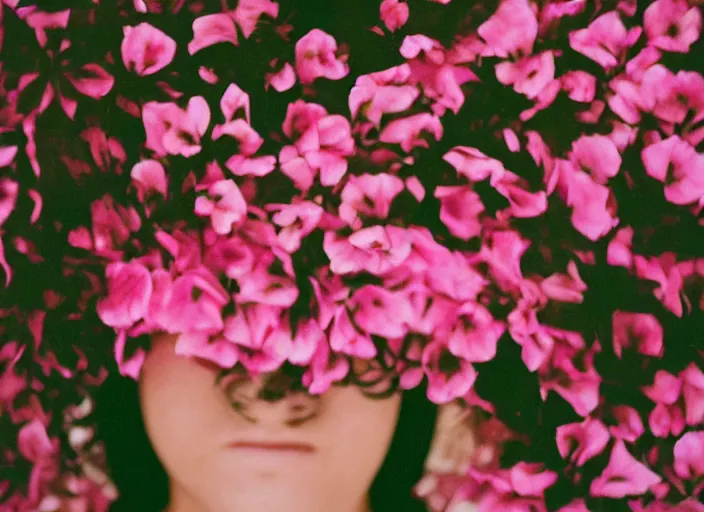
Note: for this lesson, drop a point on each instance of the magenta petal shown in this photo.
(624, 476)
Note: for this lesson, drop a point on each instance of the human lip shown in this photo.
(267, 446)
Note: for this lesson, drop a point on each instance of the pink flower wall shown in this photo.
(501, 198)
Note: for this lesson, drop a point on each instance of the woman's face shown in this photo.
(193, 427)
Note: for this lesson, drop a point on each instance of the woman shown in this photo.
(169, 441)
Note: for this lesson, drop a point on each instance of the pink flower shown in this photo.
(665, 272)
(34, 444)
(530, 75)
(9, 190)
(193, 302)
(261, 286)
(511, 30)
(11, 383)
(666, 420)
(522, 202)
(305, 343)
(173, 131)
(578, 385)
(296, 221)
(450, 274)
(129, 292)
(407, 131)
(107, 152)
(666, 388)
(534, 340)
(671, 25)
(248, 12)
(281, 80)
(473, 164)
(199, 344)
(577, 505)
(693, 393)
(231, 256)
(149, 177)
(475, 333)
(460, 210)
(592, 214)
(383, 92)
(565, 287)
(415, 45)
(316, 56)
(580, 85)
(630, 426)
(689, 455)
(212, 29)
(376, 249)
(596, 155)
(146, 50)
(449, 377)
(224, 204)
(329, 290)
(551, 14)
(234, 102)
(529, 479)
(430, 311)
(381, 312)
(640, 329)
(261, 329)
(90, 80)
(619, 248)
(605, 40)
(322, 143)
(370, 195)
(325, 368)
(676, 163)
(346, 338)
(582, 441)
(624, 476)
(502, 253)
(394, 14)
(434, 71)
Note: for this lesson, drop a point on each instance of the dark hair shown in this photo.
(143, 484)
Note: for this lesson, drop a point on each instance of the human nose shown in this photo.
(265, 400)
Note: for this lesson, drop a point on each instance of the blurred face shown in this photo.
(301, 455)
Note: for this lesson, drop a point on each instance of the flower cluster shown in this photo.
(500, 198)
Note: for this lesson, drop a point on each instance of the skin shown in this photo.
(190, 423)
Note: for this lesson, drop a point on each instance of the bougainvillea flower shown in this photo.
(248, 12)
(224, 205)
(630, 426)
(605, 40)
(528, 76)
(624, 475)
(693, 394)
(689, 455)
(672, 25)
(511, 30)
(383, 92)
(394, 14)
(212, 29)
(449, 377)
(677, 164)
(316, 56)
(146, 50)
(129, 292)
(640, 329)
(475, 335)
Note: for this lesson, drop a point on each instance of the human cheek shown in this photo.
(360, 432)
(182, 412)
